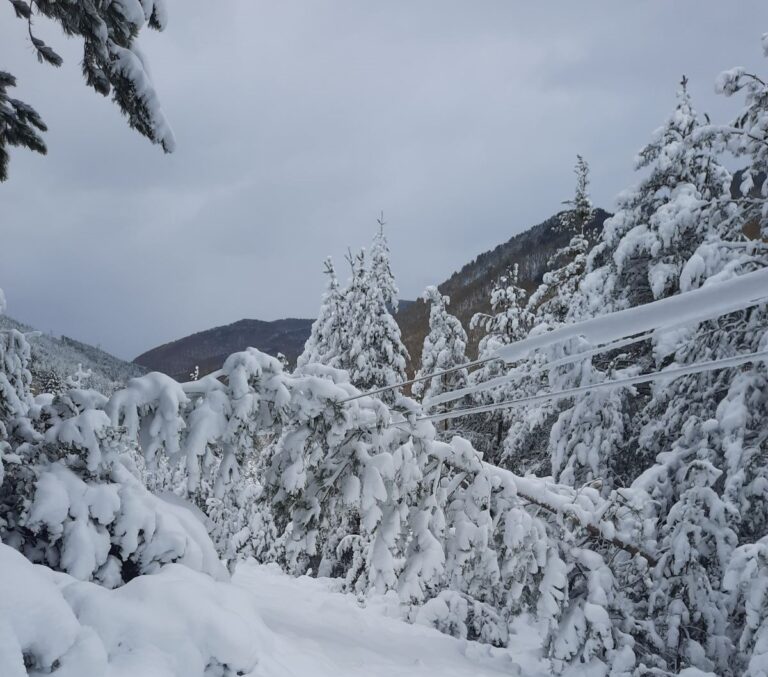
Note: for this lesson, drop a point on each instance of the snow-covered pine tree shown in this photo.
(509, 321)
(646, 247)
(372, 348)
(381, 271)
(696, 444)
(326, 340)
(661, 222)
(543, 426)
(70, 493)
(746, 582)
(696, 542)
(747, 137)
(444, 349)
(551, 302)
(46, 381)
(581, 210)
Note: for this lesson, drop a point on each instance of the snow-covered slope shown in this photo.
(62, 355)
(321, 633)
(182, 623)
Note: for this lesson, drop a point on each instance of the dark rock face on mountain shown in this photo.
(208, 349)
(470, 287)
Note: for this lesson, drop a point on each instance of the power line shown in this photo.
(418, 379)
(606, 385)
(570, 331)
(453, 395)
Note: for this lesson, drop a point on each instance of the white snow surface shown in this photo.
(318, 632)
(264, 623)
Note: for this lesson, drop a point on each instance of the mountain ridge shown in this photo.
(469, 289)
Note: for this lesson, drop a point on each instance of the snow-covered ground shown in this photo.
(321, 633)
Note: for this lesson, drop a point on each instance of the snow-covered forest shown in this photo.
(588, 495)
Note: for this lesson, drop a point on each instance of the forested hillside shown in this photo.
(470, 288)
(58, 358)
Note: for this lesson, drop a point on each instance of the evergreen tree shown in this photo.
(326, 339)
(694, 446)
(372, 349)
(581, 212)
(444, 348)
(551, 302)
(381, 271)
(509, 321)
(747, 137)
(19, 125)
(671, 212)
(696, 541)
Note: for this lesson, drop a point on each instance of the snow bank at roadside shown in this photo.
(176, 623)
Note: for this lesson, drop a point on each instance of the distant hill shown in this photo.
(62, 355)
(469, 288)
(208, 349)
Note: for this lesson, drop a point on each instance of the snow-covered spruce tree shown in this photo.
(746, 582)
(444, 349)
(372, 349)
(46, 381)
(381, 271)
(71, 502)
(696, 541)
(326, 339)
(70, 497)
(644, 251)
(551, 302)
(661, 222)
(111, 64)
(747, 137)
(578, 439)
(509, 321)
(241, 522)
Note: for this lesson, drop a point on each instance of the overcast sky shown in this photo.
(296, 122)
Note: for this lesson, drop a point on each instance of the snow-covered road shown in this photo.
(320, 633)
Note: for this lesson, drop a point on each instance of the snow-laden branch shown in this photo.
(711, 300)
(584, 506)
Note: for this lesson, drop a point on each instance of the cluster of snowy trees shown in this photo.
(355, 330)
(687, 457)
(628, 524)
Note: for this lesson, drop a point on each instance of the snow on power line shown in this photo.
(614, 330)
(664, 375)
(577, 357)
(709, 301)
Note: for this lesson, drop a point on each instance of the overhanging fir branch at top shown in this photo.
(111, 65)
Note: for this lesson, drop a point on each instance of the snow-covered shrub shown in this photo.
(178, 623)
